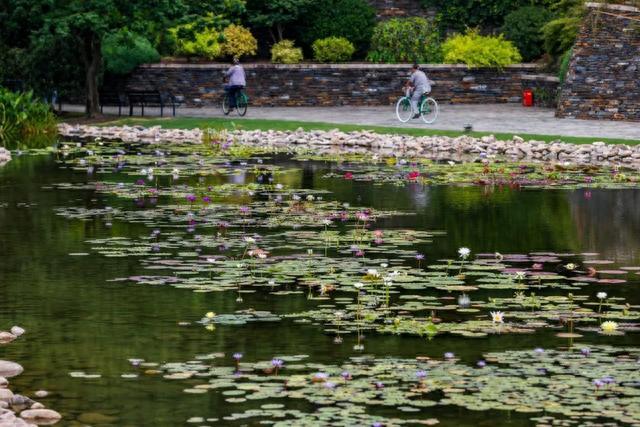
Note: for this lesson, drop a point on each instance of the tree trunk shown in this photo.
(92, 58)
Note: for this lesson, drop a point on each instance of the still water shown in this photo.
(78, 319)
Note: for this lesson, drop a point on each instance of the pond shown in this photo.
(136, 295)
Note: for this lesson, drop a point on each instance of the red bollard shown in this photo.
(527, 98)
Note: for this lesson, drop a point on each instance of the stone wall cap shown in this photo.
(540, 77)
(314, 66)
(618, 7)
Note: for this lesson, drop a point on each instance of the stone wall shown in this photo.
(604, 73)
(327, 85)
(387, 9)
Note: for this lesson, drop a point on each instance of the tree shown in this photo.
(82, 25)
(275, 15)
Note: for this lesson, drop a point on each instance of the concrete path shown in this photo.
(509, 118)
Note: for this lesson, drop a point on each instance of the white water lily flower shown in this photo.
(309, 251)
(143, 172)
(339, 314)
(150, 171)
(373, 272)
(451, 163)
(175, 171)
(464, 300)
(520, 275)
(570, 266)
(497, 317)
(310, 198)
(279, 186)
(609, 327)
(211, 260)
(358, 285)
(601, 295)
(327, 222)
(249, 240)
(272, 282)
(262, 255)
(464, 252)
(384, 265)
(295, 197)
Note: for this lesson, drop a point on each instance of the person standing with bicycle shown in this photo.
(416, 86)
(236, 81)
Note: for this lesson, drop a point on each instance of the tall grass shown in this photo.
(25, 122)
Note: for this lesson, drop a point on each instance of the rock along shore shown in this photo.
(17, 410)
(5, 156)
(433, 147)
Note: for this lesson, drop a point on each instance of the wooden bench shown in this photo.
(148, 98)
(113, 99)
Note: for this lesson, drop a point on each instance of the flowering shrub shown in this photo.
(480, 51)
(285, 52)
(238, 41)
(191, 41)
(333, 49)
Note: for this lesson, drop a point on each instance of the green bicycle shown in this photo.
(242, 102)
(428, 109)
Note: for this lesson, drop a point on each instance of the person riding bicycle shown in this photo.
(236, 81)
(416, 86)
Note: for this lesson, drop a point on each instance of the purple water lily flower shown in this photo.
(481, 363)
(449, 355)
(598, 383)
(346, 375)
(421, 374)
(419, 257)
(277, 363)
(206, 199)
(330, 385)
(237, 356)
(538, 350)
(379, 385)
(586, 352)
(191, 198)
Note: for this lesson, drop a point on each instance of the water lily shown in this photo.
(601, 296)
(499, 257)
(609, 327)
(249, 240)
(538, 350)
(464, 300)
(421, 374)
(449, 355)
(520, 275)
(210, 315)
(497, 317)
(464, 252)
(237, 356)
(585, 351)
(358, 285)
(571, 266)
(481, 364)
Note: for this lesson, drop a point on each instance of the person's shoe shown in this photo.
(416, 116)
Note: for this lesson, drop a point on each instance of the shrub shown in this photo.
(192, 40)
(238, 41)
(524, 28)
(405, 40)
(480, 51)
(333, 49)
(285, 52)
(24, 121)
(560, 34)
(123, 51)
(351, 19)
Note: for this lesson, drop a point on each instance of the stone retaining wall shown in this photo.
(327, 85)
(604, 73)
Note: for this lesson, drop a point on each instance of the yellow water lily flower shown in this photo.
(609, 327)
(210, 315)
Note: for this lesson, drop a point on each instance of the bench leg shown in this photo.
(119, 110)
(161, 110)
(174, 110)
(130, 110)
(143, 109)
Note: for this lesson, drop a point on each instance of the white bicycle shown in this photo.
(427, 105)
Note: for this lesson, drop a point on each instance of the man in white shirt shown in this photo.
(419, 84)
(236, 81)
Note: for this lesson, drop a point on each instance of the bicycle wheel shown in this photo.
(429, 110)
(241, 104)
(225, 105)
(403, 109)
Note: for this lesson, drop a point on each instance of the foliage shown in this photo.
(351, 19)
(523, 27)
(457, 15)
(405, 40)
(238, 41)
(285, 52)
(123, 51)
(195, 39)
(333, 49)
(560, 34)
(564, 66)
(24, 121)
(480, 51)
(275, 15)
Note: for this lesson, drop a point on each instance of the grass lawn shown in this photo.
(252, 124)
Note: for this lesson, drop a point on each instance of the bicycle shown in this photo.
(242, 102)
(428, 109)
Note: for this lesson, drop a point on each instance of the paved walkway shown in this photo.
(508, 118)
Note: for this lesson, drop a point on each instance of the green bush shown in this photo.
(123, 51)
(25, 122)
(197, 40)
(524, 28)
(405, 40)
(333, 49)
(351, 19)
(285, 52)
(475, 50)
(238, 41)
(560, 34)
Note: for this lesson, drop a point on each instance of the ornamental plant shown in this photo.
(190, 40)
(25, 122)
(524, 28)
(123, 51)
(405, 40)
(333, 49)
(476, 50)
(238, 41)
(285, 52)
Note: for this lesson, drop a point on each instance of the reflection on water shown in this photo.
(78, 319)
